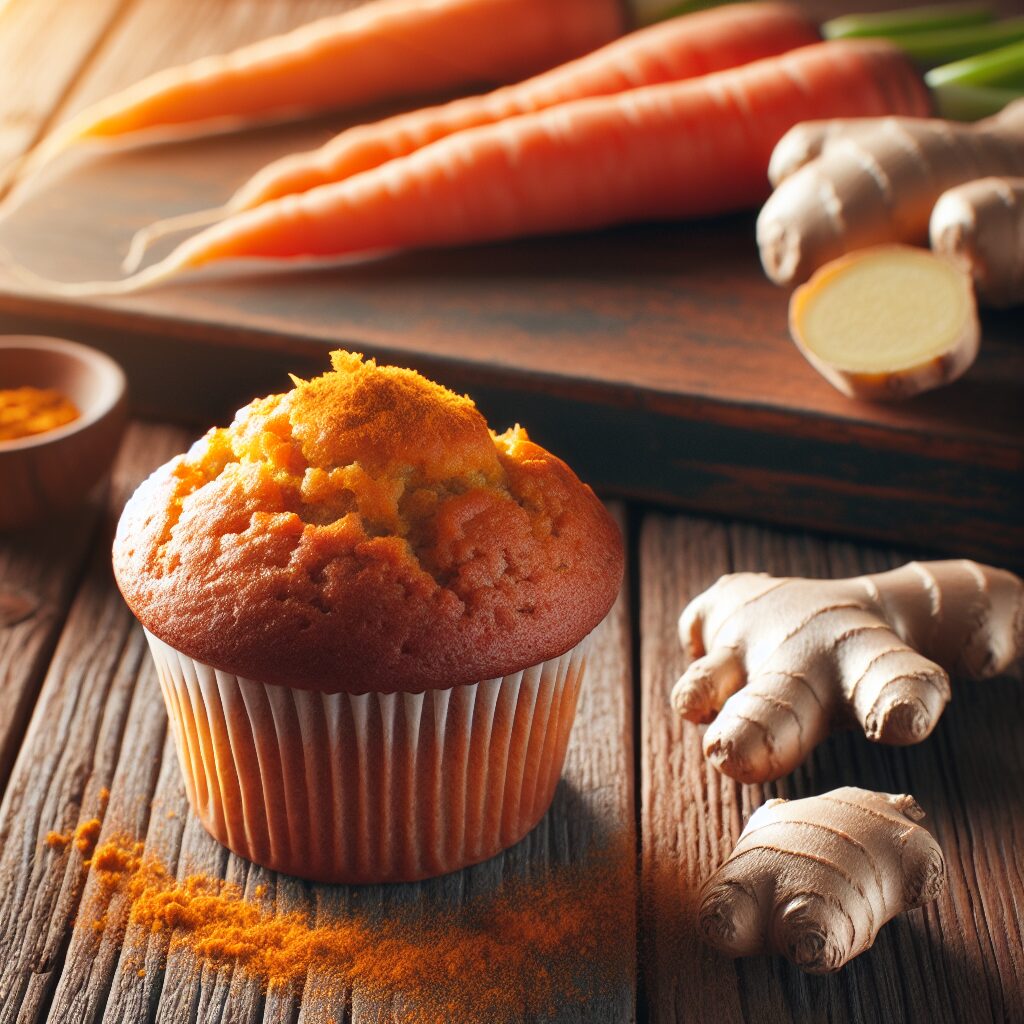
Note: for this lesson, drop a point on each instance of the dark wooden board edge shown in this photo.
(955, 497)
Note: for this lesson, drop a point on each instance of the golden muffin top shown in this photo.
(366, 531)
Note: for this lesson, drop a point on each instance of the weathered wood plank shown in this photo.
(38, 572)
(593, 806)
(959, 959)
(69, 757)
(44, 45)
(131, 996)
(35, 590)
(100, 724)
(91, 958)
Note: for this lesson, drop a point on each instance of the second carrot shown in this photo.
(683, 149)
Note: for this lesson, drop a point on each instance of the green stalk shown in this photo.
(917, 19)
(972, 102)
(949, 44)
(1003, 68)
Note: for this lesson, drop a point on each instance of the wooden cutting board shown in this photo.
(655, 358)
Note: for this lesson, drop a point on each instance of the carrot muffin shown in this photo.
(369, 615)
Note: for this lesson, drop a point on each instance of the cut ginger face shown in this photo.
(886, 322)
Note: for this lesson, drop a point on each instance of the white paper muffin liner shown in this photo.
(369, 787)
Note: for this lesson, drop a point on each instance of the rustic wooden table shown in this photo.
(83, 732)
(81, 714)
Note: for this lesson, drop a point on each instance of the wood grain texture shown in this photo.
(956, 960)
(100, 726)
(70, 754)
(39, 568)
(593, 806)
(44, 45)
(667, 342)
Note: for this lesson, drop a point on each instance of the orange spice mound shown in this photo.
(532, 946)
(116, 859)
(27, 411)
(84, 837)
(57, 840)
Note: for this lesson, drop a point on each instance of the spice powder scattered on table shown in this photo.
(532, 946)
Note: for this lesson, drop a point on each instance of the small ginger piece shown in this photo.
(887, 322)
(816, 879)
(781, 661)
(980, 227)
(845, 185)
(807, 140)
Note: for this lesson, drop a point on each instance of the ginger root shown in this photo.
(856, 183)
(816, 879)
(886, 322)
(980, 227)
(780, 661)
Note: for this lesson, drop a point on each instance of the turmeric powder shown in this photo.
(532, 946)
(27, 411)
(57, 840)
(84, 837)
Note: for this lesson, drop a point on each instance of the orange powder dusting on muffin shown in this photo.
(532, 946)
(380, 442)
(27, 411)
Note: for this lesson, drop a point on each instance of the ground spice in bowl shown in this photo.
(532, 946)
(27, 411)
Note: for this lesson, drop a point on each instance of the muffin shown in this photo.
(369, 615)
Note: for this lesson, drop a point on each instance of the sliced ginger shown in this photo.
(887, 322)
(781, 661)
(816, 879)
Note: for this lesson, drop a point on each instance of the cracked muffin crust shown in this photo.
(363, 532)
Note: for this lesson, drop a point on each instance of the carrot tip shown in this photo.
(144, 238)
(88, 289)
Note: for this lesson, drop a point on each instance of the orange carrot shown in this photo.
(674, 150)
(684, 47)
(378, 51)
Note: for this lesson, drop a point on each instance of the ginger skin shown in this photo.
(781, 661)
(846, 185)
(979, 226)
(816, 879)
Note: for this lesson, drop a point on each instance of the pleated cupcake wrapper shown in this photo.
(369, 787)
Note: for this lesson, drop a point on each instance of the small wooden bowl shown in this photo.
(46, 472)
